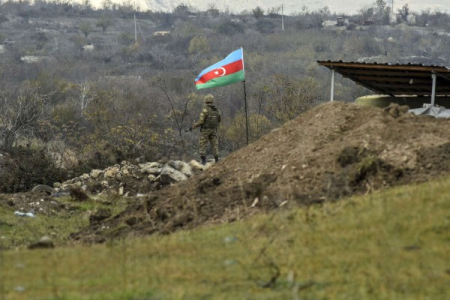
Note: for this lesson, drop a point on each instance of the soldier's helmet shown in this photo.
(209, 99)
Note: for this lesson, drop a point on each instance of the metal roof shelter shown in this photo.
(394, 79)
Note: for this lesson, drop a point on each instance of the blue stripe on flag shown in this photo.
(232, 57)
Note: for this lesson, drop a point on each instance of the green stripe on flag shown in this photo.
(221, 81)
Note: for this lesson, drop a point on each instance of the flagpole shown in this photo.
(212, 72)
(245, 97)
(246, 111)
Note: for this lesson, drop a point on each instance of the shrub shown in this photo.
(126, 39)
(230, 28)
(235, 134)
(258, 12)
(321, 46)
(21, 118)
(3, 19)
(29, 168)
(199, 45)
(85, 28)
(351, 26)
(265, 26)
(104, 23)
(291, 96)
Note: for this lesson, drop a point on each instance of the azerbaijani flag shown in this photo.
(227, 71)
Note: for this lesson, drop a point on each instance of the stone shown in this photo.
(176, 164)
(57, 185)
(151, 177)
(154, 171)
(150, 165)
(169, 175)
(181, 166)
(44, 243)
(85, 176)
(96, 173)
(111, 172)
(187, 170)
(150, 168)
(196, 166)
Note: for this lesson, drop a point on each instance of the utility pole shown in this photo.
(282, 18)
(135, 24)
(135, 29)
(392, 10)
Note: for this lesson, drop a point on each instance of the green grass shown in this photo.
(18, 232)
(388, 245)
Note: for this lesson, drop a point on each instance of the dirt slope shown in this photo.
(332, 151)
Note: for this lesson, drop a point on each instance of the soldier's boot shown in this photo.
(216, 158)
(203, 160)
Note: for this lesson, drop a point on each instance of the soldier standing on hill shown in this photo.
(209, 122)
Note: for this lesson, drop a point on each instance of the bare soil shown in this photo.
(332, 151)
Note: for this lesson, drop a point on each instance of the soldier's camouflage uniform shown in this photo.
(209, 121)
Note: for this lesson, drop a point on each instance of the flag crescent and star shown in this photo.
(225, 72)
(222, 69)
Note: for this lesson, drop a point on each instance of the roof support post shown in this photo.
(332, 86)
(433, 89)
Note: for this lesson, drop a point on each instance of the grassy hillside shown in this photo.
(388, 245)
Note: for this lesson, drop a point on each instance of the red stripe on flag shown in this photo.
(219, 72)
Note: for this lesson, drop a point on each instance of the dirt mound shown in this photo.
(332, 151)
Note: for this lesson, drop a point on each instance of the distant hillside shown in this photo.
(294, 6)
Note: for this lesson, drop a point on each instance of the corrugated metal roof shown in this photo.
(394, 79)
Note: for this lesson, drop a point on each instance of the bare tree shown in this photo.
(404, 12)
(104, 23)
(20, 117)
(179, 114)
(86, 96)
(86, 28)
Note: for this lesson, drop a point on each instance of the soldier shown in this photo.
(209, 122)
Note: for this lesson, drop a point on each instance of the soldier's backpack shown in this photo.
(212, 119)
